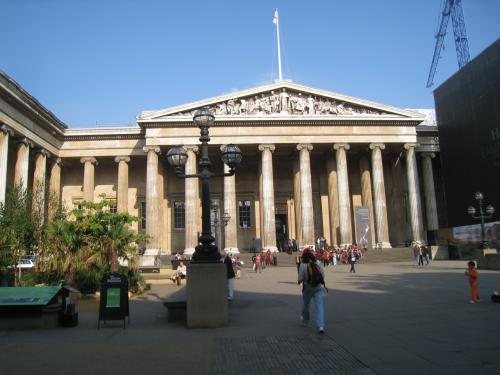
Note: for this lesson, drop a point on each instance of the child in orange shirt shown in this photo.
(472, 273)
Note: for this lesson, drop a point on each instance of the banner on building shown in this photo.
(363, 229)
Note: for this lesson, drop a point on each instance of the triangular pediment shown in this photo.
(282, 98)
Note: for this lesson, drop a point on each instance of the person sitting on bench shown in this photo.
(180, 273)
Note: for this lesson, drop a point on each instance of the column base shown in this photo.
(207, 292)
(272, 249)
(231, 250)
(386, 245)
(149, 258)
(302, 247)
(189, 251)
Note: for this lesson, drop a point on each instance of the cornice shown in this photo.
(28, 105)
(96, 134)
(285, 121)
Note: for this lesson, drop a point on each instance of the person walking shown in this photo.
(258, 263)
(416, 252)
(352, 261)
(230, 274)
(312, 277)
(427, 256)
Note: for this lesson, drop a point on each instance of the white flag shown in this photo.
(275, 18)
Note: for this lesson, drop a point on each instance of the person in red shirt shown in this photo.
(471, 271)
(326, 258)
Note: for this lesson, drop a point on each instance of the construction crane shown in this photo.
(453, 7)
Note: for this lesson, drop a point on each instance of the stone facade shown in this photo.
(310, 157)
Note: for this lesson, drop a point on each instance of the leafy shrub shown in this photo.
(88, 282)
(136, 282)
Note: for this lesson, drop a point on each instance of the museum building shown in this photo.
(315, 164)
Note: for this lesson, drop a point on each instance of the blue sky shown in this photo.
(104, 61)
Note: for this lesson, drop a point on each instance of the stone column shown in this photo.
(343, 190)
(333, 201)
(429, 191)
(152, 199)
(39, 183)
(122, 185)
(366, 193)
(306, 201)
(22, 163)
(191, 201)
(231, 229)
(417, 228)
(54, 187)
(382, 226)
(88, 178)
(5, 134)
(267, 194)
(297, 200)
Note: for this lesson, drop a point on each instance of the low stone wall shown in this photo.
(492, 261)
(482, 262)
(439, 252)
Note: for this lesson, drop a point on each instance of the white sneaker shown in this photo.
(321, 330)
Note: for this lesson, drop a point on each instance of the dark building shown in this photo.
(468, 116)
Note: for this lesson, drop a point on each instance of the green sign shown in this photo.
(113, 298)
(22, 296)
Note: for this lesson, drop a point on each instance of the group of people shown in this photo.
(421, 254)
(331, 256)
(264, 259)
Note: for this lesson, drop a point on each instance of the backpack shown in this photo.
(314, 275)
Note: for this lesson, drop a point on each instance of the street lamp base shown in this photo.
(206, 253)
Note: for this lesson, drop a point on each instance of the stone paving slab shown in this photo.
(385, 319)
(285, 355)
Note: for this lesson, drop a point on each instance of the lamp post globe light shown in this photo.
(206, 251)
(483, 214)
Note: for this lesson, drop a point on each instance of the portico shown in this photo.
(312, 157)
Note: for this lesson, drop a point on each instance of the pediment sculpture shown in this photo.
(285, 102)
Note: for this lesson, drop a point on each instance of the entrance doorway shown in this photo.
(281, 221)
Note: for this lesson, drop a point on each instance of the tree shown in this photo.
(89, 237)
(20, 230)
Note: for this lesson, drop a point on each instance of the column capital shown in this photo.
(43, 152)
(338, 146)
(269, 146)
(407, 146)
(89, 159)
(56, 161)
(25, 141)
(193, 148)
(156, 149)
(126, 159)
(306, 146)
(5, 129)
(373, 146)
(424, 155)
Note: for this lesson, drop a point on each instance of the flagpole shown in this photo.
(276, 21)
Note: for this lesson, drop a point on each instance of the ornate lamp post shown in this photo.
(483, 214)
(219, 222)
(231, 155)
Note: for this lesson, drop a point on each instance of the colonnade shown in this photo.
(24, 147)
(339, 203)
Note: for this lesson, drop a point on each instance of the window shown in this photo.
(179, 215)
(244, 212)
(142, 215)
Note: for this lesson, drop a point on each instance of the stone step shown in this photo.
(396, 254)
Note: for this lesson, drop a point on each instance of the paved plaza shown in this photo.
(385, 319)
